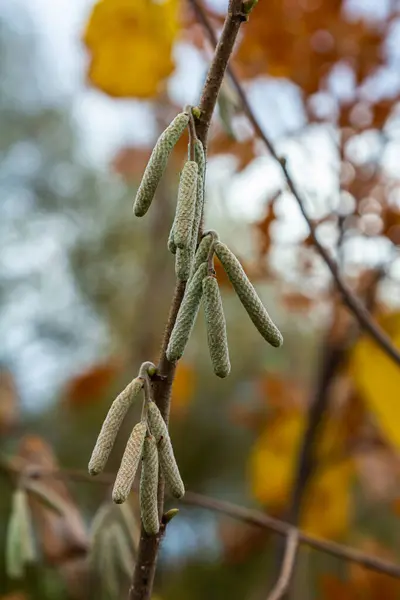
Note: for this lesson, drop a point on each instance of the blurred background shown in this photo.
(85, 89)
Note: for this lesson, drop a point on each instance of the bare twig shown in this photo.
(332, 359)
(259, 519)
(143, 576)
(12, 468)
(351, 301)
(288, 563)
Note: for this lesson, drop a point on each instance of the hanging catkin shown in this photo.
(157, 163)
(216, 327)
(185, 257)
(111, 425)
(171, 244)
(166, 453)
(129, 464)
(186, 315)
(183, 263)
(202, 252)
(185, 210)
(201, 163)
(20, 546)
(248, 296)
(149, 486)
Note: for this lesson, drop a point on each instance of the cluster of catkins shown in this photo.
(149, 442)
(149, 439)
(194, 264)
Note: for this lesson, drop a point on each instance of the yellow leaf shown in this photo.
(272, 459)
(272, 464)
(131, 46)
(328, 503)
(377, 379)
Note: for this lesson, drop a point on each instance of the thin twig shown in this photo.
(351, 301)
(259, 519)
(288, 563)
(246, 515)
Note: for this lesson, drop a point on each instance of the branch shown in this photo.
(12, 467)
(259, 519)
(333, 357)
(145, 566)
(351, 301)
(288, 563)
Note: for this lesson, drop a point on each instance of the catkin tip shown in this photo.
(138, 211)
(277, 342)
(118, 498)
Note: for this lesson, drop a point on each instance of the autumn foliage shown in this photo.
(337, 61)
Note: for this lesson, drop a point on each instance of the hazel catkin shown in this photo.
(165, 451)
(111, 425)
(157, 163)
(129, 463)
(216, 327)
(149, 486)
(185, 210)
(186, 315)
(248, 296)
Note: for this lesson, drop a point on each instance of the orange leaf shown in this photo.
(333, 588)
(263, 226)
(92, 384)
(183, 388)
(9, 402)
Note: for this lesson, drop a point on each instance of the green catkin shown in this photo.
(170, 469)
(185, 257)
(129, 463)
(20, 545)
(157, 163)
(186, 315)
(108, 566)
(201, 164)
(123, 553)
(216, 327)
(202, 252)
(185, 210)
(165, 451)
(97, 528)
(184, 266)
(111, 425)
(171, 244)
(149, 487)
(183, 263)
(14, 555)
(248, 296)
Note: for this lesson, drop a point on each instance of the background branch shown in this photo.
(13, 468)
(288, 563)
(259, 519)
(351, 301)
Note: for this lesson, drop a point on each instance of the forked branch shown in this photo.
(288, 564)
